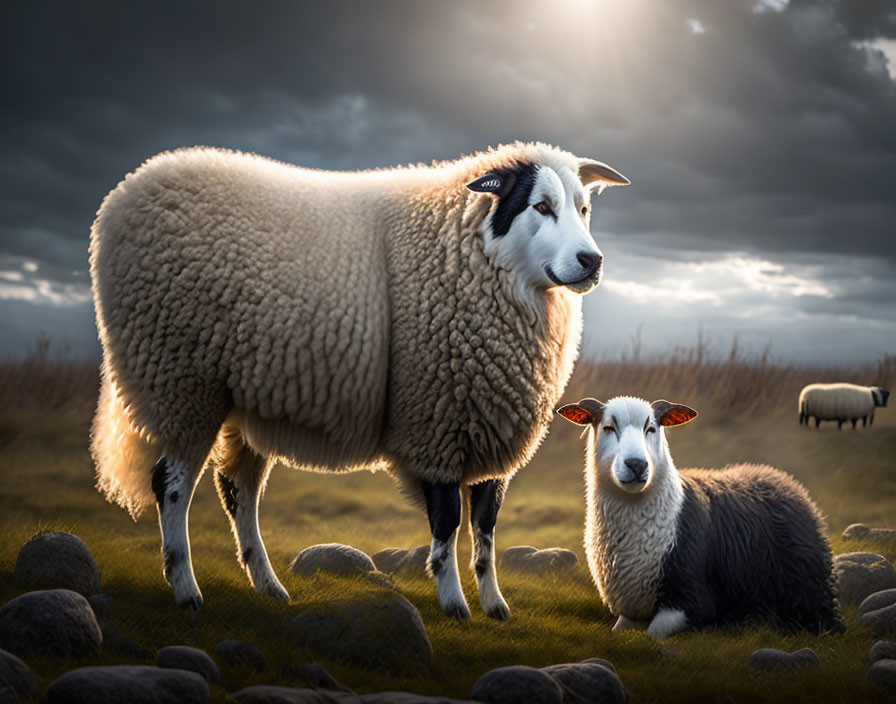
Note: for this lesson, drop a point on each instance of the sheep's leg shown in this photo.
(173, 483)
(839, 425)
(443, 507)
(666, 622)
(240, 479)
(817, 422)
(864, 421)
(854, 423)
(485, 502)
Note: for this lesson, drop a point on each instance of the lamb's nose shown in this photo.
(590, 261)
(638, 468)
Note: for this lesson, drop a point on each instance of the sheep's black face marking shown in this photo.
(159, 479)
(230, 494)
(516, 201)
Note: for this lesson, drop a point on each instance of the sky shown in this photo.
(759, 136)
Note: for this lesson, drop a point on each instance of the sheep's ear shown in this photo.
(497, 182)
(596, 175)
(670, 414)
(588, 411)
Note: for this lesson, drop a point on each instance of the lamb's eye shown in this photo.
(584, 210)
(543, 208)
(609, 429)
(650, 430)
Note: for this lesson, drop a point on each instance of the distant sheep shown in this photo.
(422, 320)
(670, 550)
(841, 402)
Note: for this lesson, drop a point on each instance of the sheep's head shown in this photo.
(539, 224)
(629, 441)
(880, 395)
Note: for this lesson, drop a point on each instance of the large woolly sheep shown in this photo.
(841, 402)
(423, 320)
(670, 550)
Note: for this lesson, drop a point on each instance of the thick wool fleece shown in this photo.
(836, 401)
(338, 320)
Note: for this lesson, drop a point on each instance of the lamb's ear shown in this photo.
(597, 175)
(588, 411)
(497, 182)
(670, 414)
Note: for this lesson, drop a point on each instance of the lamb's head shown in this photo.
(539, 224)
(629, 442)
(880, 396)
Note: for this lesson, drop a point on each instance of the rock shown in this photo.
(315, 674)
(859, 531)
(134, 684)
(54, 623)
(386, 632)
(588, 682)
(528, 559)
(269, 694)
(114, 641)
(883, 672)
(236, 653)
(183, 657)
(769, 658)
(407, 698)
(883, 650)
(517, 683)
(883, 621)
(57, 560)
(17, 677)
(397, 560)
(101, 605)
(878, 600)
(334, 558)
(860, 574)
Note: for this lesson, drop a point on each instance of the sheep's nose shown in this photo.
(590, 261)
(638, 468)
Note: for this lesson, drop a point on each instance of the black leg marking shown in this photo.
(228, 488)
(435, 564)
(171, 557)
(485, 502)
(247, 555)
(159, 479)
(443, 508)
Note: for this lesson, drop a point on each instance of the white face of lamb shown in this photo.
(549, 242)
(628, 443)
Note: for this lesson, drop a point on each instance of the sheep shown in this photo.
(841, 402)
(670, 550)
(421, 320)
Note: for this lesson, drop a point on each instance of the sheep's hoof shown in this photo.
(500, 612)
(192, 604)
(276, 591)
(460, 611)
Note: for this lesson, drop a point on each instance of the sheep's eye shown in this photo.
(651, 429)
(543, 208)
(584, 210)
(609, 429)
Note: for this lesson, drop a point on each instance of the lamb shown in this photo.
(841, 402)
(670, 550)
(422, 320)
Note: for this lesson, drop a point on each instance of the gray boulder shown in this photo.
(316, 675)
(54, 623)
(883, 672)
(383, 632)
(883, 621)
(17, 678)
(525, 558)
(114, 641)
(397, 560)
(860, 574)
(770, 659)
(592, 681)
(859, 531)
(57, 560)
(878, 600)
(883, 650)
(130, 684)
(408, 698)
(236, 653)
(183, 657)
(270, 694)
(334, 558)
(518, 683)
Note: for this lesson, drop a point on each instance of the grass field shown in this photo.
(747, 413)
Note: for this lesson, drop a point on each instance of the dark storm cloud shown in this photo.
(761, 132)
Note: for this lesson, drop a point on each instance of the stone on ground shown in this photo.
(334, 558)
(133, 684)
(883, 621)
(316, 675)
(236, 653)
(591, 681)
(528, 559)
(770, 659)
(17, 677)
(878, 600)
(517, 683)
(883, 672)
(52, 623)
(271, 694)
(860, 574)
(883, 650)
(57, 560)
(397, 560)
(859, 531)
(183, 657)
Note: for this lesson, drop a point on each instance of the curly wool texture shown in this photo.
(837, 401)
(336, 320)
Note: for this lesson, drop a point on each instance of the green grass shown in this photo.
(47, 480)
